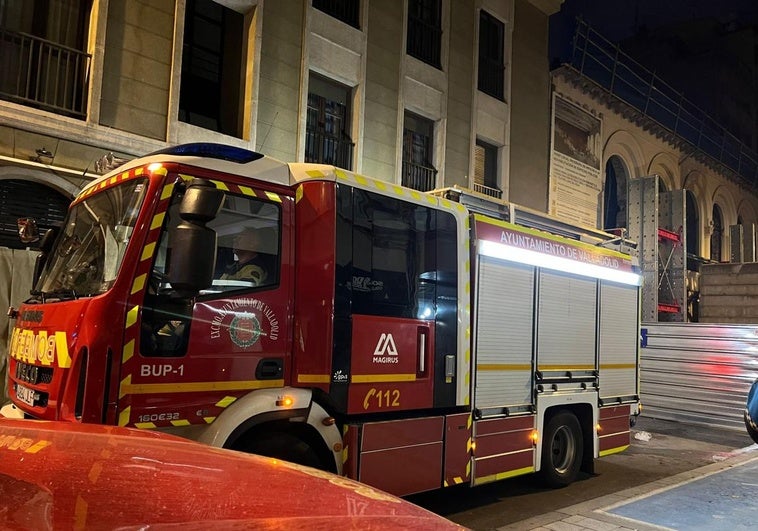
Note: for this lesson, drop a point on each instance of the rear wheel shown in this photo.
(282, 445)
(562, 449)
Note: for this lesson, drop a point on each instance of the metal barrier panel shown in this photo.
(697, 373)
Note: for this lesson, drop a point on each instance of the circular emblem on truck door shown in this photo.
(245, 329)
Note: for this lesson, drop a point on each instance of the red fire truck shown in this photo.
(408, 340)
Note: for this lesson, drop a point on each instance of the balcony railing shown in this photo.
(327, 149)
(488, 190)
(603, 62)
(43, 74)
(418, 177)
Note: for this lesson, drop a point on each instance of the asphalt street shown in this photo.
(661, 451)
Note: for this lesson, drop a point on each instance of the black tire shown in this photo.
(751, 427)
(284, 446)
(562, 450)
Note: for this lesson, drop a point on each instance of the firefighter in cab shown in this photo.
(250, 264)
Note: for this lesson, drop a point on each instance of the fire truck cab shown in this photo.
(405, 339)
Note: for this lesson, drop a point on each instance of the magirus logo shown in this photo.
(386, 351)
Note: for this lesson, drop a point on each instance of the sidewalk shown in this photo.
(715, 496)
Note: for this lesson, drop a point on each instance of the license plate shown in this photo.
(26, 395)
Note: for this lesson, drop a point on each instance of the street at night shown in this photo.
(663, 453)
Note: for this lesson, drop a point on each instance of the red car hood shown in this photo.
(56, 475)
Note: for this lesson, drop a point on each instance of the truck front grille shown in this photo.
(33, 374)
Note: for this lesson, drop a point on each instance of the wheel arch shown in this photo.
(586, 413)
(260, 411)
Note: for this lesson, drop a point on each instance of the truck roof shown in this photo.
(250, 164)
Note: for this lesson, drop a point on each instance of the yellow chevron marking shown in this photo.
(157, 221)
(131, 316)
(61, 345)
(147, 252)
(125, 382)
(139, 283)
(128, 351)
(224, 402)
(123, 417)
(36, 447)
(167, 191)
(80, 513)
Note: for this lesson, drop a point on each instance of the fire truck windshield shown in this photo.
(86, 257)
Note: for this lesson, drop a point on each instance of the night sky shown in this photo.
(690, 44)
(621, 19)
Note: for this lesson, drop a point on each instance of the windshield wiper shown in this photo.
(58, 294)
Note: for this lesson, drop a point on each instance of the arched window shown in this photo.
(28, 199)
(693, 225)
(717, 233)
(614, 200)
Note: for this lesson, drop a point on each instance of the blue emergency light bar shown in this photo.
(212, 150)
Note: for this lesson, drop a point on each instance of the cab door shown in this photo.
(195, 357)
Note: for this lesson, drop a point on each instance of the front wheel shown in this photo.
(282, 445)
(562, 450)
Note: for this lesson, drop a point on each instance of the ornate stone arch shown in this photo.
(49, 179)
(666, 166)
(722, 196)
(626, 146)
(622, 158)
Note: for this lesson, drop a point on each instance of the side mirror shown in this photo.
(27, 230)
(193, 244)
